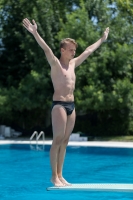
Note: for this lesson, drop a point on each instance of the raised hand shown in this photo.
(32, 28)
(105, 34)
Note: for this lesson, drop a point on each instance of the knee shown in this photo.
(58, 140)
(65, 141)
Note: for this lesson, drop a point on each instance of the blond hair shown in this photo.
(65, 41)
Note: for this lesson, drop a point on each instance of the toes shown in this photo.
(57, 183)
(65, 182)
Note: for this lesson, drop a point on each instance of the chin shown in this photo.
(72, 57)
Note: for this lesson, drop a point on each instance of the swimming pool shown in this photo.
(25, 172)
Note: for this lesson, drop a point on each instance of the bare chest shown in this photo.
(63, 76)
(68, 74)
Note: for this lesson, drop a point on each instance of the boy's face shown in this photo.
(69, 50)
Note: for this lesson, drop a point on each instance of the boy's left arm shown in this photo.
(89, 50)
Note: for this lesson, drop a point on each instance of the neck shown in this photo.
(64, 62)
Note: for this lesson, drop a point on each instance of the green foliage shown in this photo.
(104, 87)
(26, 88)
(104, 81)
(24, 71)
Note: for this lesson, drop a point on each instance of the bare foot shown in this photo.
(64, 181)
(57, 183)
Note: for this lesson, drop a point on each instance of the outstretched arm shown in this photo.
(89, 50)
(32, 28)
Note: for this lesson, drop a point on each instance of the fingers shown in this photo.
(26, 23)
(25, 26)
(107, 29)
(105, 34)
(34, 22)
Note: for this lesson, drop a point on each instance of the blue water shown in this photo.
(25, 173)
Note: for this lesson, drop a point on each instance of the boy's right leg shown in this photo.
(59, 120)
(69, 127)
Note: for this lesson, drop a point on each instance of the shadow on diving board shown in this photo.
(96, 187)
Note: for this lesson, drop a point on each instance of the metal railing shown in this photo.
(37, 136)
(33, 135)
(43, 136)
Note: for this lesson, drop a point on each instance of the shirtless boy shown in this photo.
(63, 79)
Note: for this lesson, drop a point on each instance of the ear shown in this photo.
(62, 50)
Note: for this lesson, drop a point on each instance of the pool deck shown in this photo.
(72, 143)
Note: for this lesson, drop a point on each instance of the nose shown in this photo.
(73, 52)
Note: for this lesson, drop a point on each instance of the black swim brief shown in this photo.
(69, 106)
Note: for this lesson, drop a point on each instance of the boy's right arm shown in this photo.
(32, 28)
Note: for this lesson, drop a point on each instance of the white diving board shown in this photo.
(96, 187)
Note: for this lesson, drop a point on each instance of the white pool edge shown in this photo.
(75, 143)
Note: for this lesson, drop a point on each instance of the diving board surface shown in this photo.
(96, 187)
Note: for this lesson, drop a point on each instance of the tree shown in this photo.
(24, 72)
(104, 81)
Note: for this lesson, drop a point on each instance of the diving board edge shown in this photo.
(96, 187)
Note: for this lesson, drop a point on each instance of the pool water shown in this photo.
(25, 172)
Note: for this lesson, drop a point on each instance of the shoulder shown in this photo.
(73, 62)
(56, 64)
